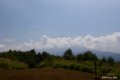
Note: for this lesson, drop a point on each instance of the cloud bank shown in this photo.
(109, 43)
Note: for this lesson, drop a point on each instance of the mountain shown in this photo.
(78, 49)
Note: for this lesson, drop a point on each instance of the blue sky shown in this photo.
(26, 24)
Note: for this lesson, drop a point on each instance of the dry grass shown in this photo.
(44, 74)
(7, 59)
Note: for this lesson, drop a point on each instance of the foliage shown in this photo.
(77, 67)
(50, 59)
(80, 57)
(117, 73)
(110, 60)
(42, 65)
(45, 54)
(65, 66)
(105, 70)
(68, 54)
(103, 59)
(88, 55)
(99, 63)
(29, 57)
(11, 65)
(85, 68)
(71, 66)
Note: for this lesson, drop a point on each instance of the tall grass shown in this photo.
(11, 65)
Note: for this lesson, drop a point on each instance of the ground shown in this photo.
(44, 74)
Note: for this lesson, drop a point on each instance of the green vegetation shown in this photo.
(68, 54)
(4, 64)
(81, 62)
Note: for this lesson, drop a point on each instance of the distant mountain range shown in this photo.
(78, 49)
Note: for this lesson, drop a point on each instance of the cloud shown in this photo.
(7, 40)
(2, 46)
(31, 41)
(109, 43)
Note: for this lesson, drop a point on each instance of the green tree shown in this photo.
(39, 57)
(33, 51)
(45, 54)
(80, 57)
(110, 60)
(88, 55)
(68, 54)
(103, 59)
(93, 57)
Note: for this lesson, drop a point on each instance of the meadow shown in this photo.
(29, 63)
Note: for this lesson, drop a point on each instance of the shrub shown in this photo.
(110, 60)
(105, 70)
(10, 65)
(58, 64)
(50, 59)
(103, 59)
(117, 73)
(71, 66)
(4, 64)
(42, 65)
(32, 64)
(77, 67)
(91, 70)
(84, 68)
(64, 66)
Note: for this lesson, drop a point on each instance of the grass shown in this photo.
(86, 66)
(4, 64)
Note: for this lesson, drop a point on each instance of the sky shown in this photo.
(45, 24)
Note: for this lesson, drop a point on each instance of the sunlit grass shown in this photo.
(4, 64)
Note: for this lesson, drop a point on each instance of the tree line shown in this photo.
(33, 59)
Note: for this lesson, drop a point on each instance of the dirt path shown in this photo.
(44, 74)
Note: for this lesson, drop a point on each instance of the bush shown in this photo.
(42, 65)
(4, 64)
(71, 66)
(110, 60)
(103, 59)
(77, 67)
(64, 66)
(50, 59)
(58, 64)
(10, 65)
(117, 73)
(91, 70)
(32, 64)
(105, 70)
(85, 68)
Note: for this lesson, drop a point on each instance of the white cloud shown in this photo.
(8, 40)
(109, 43)
(31, 41)
(2, 46)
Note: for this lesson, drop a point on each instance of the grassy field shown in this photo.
(9, 64)
(88, 66)
(67, 70)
